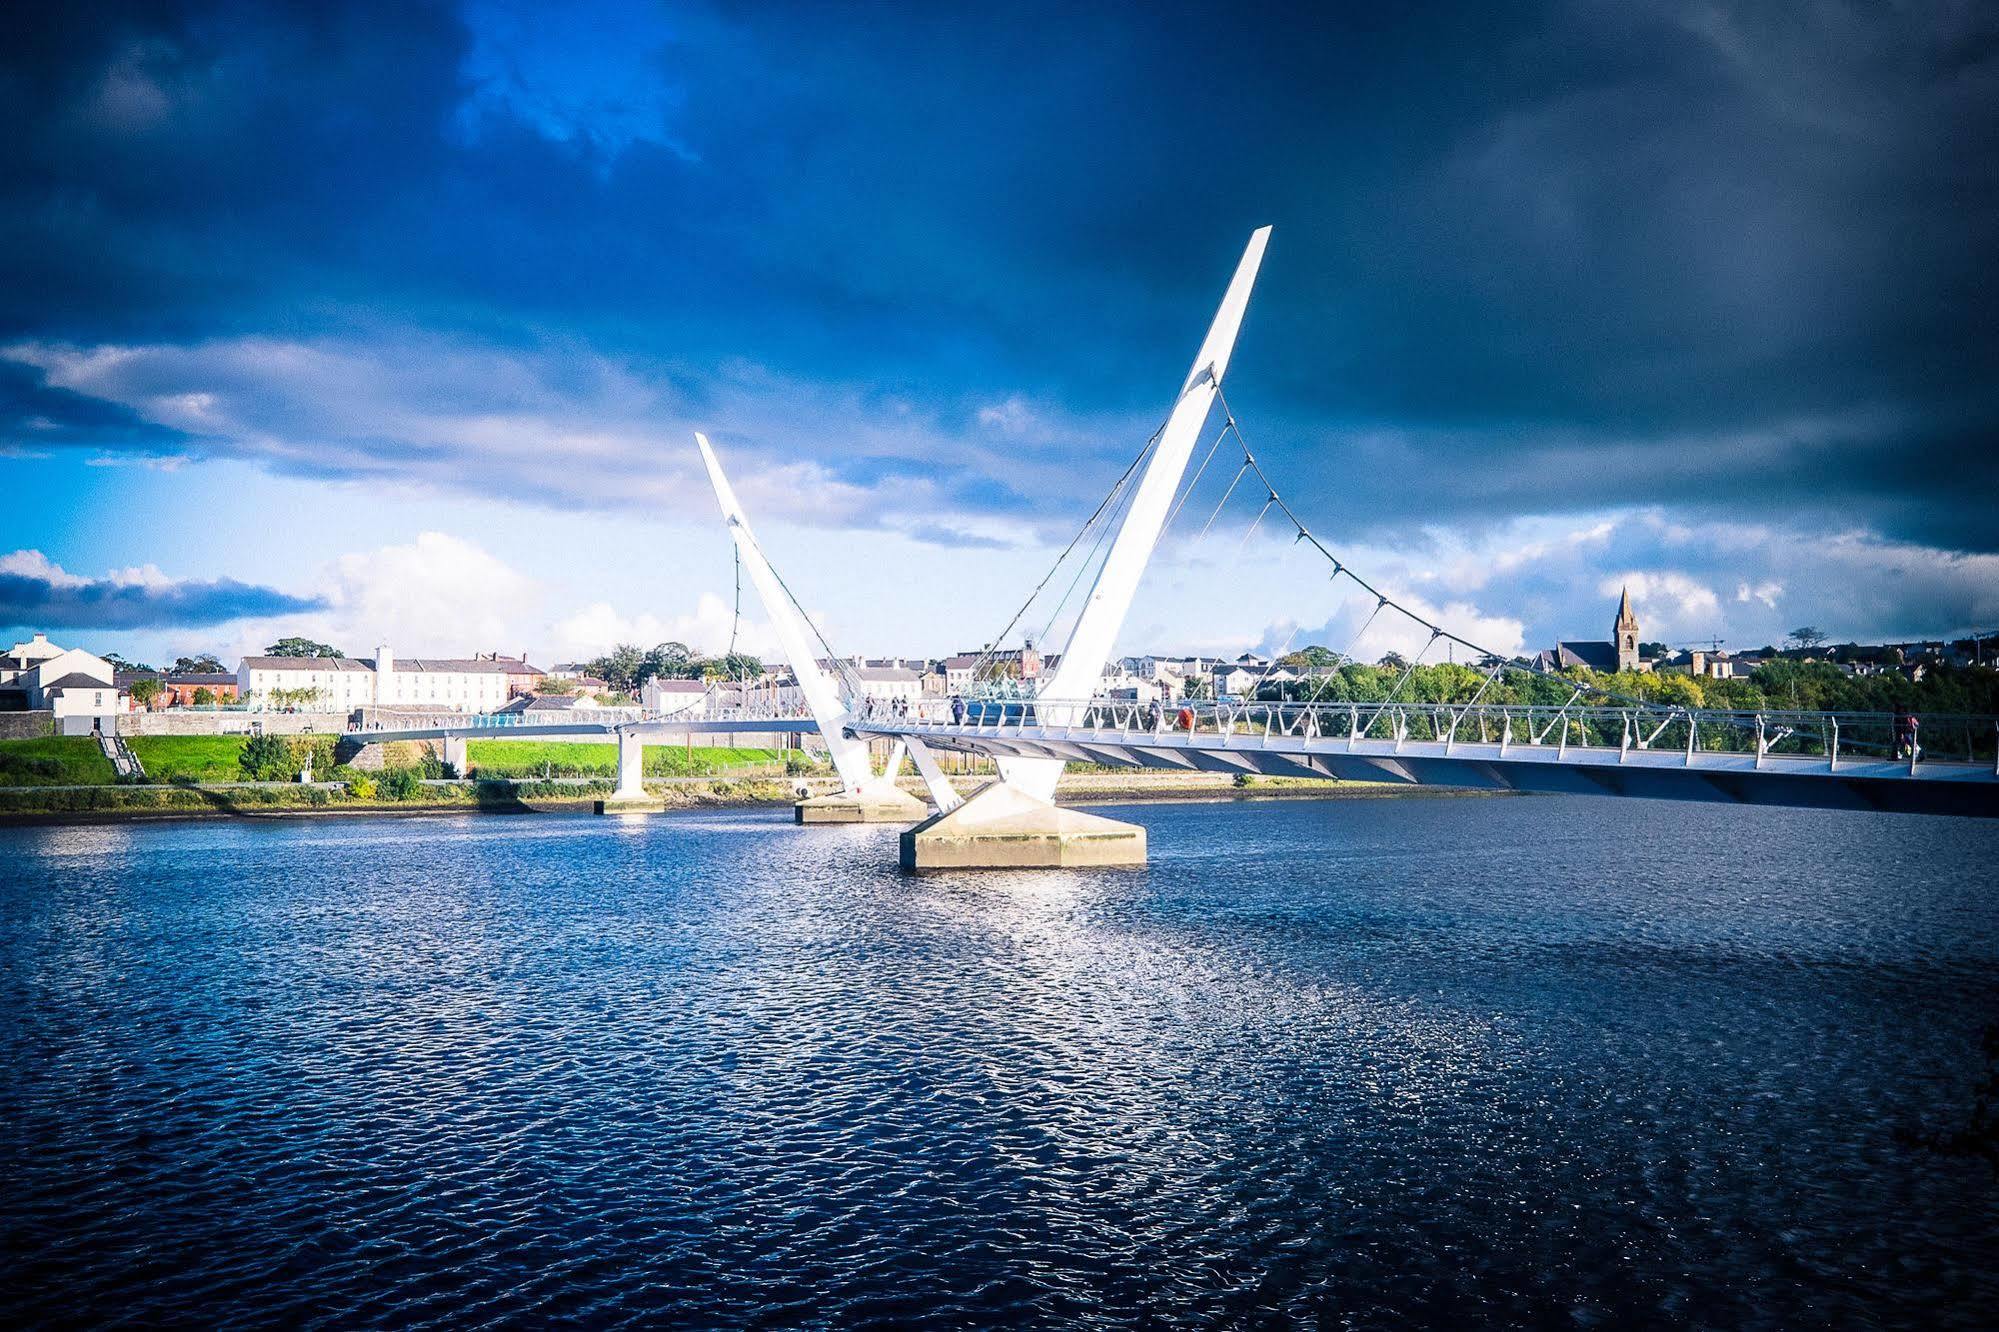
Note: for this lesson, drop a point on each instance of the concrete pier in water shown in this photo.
(1002, 827)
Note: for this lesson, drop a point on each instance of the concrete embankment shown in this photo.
(100, 803)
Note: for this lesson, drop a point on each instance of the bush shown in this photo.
(204, 697)
(797, 761)
(400, 784)
(316, 750)
(436, 769)
(361, 786)
(267, 758)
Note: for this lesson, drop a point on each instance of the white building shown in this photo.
(1244, 681)
(341, 684)
(24, 657)
(889, 683)
(71, 683)
(680, 698)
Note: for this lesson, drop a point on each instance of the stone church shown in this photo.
(1618, 653)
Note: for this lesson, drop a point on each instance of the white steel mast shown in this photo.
(1081, 670)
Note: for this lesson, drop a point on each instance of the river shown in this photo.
(1386, 1062)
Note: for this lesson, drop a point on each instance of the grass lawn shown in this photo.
(530, 758)
(189, 758)
(70, 760)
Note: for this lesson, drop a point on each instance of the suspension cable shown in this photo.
(993, 645)
(1251, 463)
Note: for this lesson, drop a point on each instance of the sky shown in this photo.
(392, 323)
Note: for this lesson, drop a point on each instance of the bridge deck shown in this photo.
(653, 731)
(1937, 787)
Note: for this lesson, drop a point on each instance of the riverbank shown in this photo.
(190, 800)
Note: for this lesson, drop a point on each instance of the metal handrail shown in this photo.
(1779, 732)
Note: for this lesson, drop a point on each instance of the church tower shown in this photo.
(1625, 635)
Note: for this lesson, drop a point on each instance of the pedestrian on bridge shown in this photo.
(957, 710)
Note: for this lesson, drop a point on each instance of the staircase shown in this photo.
(123, 760)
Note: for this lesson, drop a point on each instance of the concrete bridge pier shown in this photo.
(873, 804)
(1003, 827)
(457, 754)
(630, 797)
(876, 800)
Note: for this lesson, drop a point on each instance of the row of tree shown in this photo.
(1777, 685)
(627, 667)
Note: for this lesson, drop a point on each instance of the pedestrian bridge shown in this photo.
(1821, 760)
(1489, 735)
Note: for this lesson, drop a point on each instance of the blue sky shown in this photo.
(392, 323)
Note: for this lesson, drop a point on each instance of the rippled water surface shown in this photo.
(1422, 1061)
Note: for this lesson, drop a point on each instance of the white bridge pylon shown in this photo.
(851, 759)
(1095, 634)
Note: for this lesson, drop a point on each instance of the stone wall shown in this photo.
(27, 725)
(185, 722)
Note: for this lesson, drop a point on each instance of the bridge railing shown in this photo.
(1833, 736)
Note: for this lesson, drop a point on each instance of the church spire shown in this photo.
(1624, 636)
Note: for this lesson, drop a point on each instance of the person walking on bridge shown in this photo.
(957, 710)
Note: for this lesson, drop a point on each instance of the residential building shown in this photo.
(178, 688)
(341, 684)
(521, 677)
(1244, 681)
(77, 686)
(685, 698)
(24, 657)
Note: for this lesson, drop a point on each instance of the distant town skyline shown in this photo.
(1558, 301)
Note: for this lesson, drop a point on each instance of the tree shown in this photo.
(120, 664)
(732, 666)
(1806, 636)
(301, 647)
(1311, 658)
(205, 664)
(145, 691)
(294, 698)
(267, 758)
(204, 697)
(671, 661)
(620, 667)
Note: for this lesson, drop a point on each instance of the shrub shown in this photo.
(361, 786)
(267, 758)
(204, 697)
(400, 784)
(314, 749)
(797, 761)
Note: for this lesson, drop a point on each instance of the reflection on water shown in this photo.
(1387, 1061)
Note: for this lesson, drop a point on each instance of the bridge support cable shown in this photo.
(866, 796)
(1251, 463)
(1110, 501)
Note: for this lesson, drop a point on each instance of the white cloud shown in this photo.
(1011, 417)
(34, 564)
(560, 424)
(599, 627)
(1767, 593)
(1666, 600)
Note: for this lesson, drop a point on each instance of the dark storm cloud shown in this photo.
(41, 595)
(35, 416)
(1526, 260)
